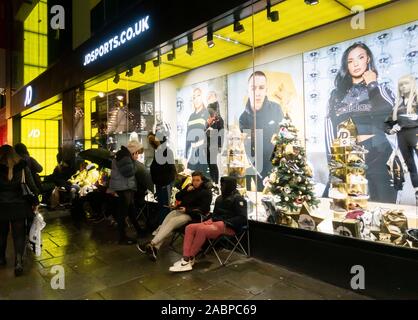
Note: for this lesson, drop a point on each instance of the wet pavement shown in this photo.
(97, 268)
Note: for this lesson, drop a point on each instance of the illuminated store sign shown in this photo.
(117, 41)
(28, 96)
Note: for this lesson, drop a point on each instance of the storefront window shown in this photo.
(319, 133)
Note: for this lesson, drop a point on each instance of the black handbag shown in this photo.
(27, 193)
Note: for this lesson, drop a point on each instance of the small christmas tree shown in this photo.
(290, 179)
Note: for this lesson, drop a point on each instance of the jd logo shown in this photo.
(58, 280)
(28, 96)
(35, 133)
(58, 20)
(358, 280)
(344, 137)
(358, 21)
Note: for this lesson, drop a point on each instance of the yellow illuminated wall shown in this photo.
(35, 44)
(40, 132)
(41, 137)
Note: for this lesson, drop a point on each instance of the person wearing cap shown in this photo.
(123, 182)
(229, 217)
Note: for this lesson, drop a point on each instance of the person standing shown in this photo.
(404, 123)
(358, 96)
(14, 208)
(35, 169)
(123, 182)
(163, 173)
(214, 138)
(260, 117)
(33, 165)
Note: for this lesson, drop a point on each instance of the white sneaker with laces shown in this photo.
(192, 261)
(181, 267)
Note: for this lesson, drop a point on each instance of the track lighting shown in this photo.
(171, 56)
(209, 38)
(311, 2)
(143, 67)
(238, 27)
(189, 50)
(116, 79)
(129, 73)
(273, 16)
(156, 62)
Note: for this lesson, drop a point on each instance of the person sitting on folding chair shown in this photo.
(195, 200)
(229, 217)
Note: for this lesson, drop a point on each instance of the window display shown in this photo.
(319, 140)
(200, 139)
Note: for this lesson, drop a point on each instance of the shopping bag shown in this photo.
(35, 234)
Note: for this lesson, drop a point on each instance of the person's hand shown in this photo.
(190, 188)
(369, 76)
(211, 120)
(395, 129)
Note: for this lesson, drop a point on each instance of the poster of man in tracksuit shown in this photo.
(195, 136)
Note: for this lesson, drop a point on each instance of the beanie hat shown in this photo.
(134, 146)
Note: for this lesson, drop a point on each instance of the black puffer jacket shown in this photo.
(195, 200)
(163, 170)
(12, 203)
(230, 207)
(123, 172)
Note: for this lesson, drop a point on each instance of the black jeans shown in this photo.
(407, 142)
(213, 167)
(126, 206)
(19, 236)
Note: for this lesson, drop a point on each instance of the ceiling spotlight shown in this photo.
(273, 16)
(209, 38)
(156, 62)
(238, 27)
(189, 46)
(129, 72)
(116, 79)
(101, 94)
(171, 56)
(120, 98)
(311, 2)
(143, 67)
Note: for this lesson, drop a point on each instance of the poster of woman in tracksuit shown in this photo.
(358, 96)
(355, 82)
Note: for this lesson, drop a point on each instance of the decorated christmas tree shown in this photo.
(289, 182)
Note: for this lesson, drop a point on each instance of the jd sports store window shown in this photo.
(306, 124)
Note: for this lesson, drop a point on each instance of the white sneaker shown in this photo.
(181, 267)
(192, 261)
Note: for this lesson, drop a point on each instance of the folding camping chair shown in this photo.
(235, 241)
